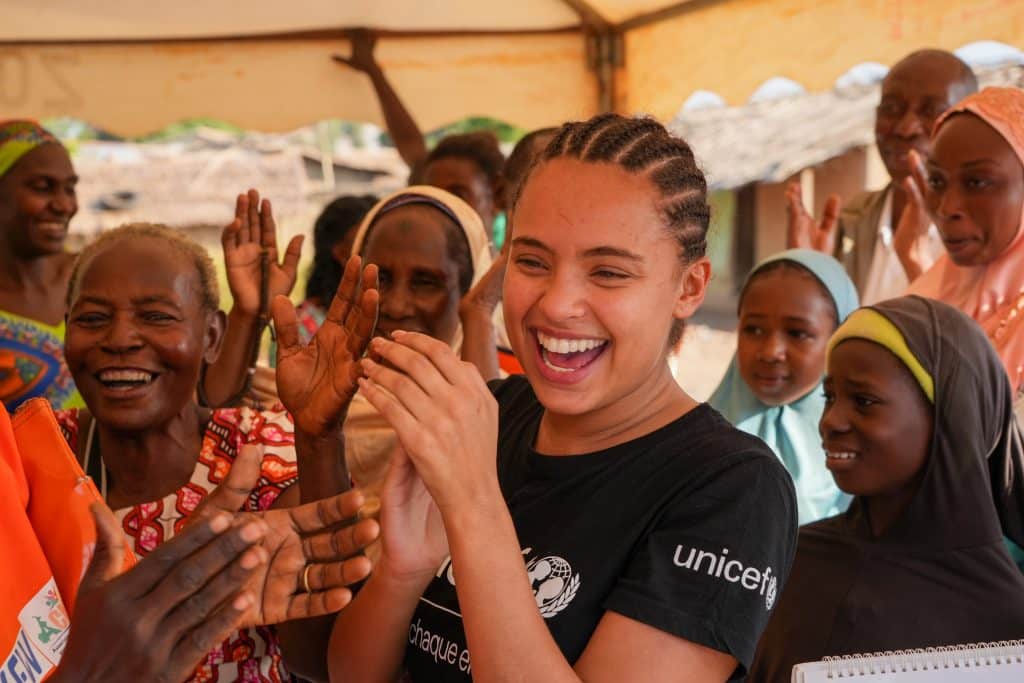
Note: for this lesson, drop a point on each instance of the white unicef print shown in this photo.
(769, 596)
(554, 584)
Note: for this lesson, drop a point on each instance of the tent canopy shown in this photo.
(134, 67)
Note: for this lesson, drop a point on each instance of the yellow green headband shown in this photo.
(18, 138)
(870, 325)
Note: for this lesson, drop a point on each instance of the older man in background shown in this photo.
(885, 239)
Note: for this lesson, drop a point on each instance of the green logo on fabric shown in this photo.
(45, 630)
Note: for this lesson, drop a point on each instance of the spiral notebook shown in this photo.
(988, 662)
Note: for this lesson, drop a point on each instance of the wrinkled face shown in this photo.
(464, 179)
(419, 281)
(786, 319)
(914, 95)
(593, 286)
(877, 424)
(975, 190)
(37, 201)
(137, 334)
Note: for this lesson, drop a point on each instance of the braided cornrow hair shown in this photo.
(642, 146)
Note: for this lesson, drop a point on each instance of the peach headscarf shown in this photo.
(992, 294)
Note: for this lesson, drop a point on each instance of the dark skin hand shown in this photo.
(244, 240)
(804, 231)
(224, 571)
(159, 619)
(295, 537)
(400, 123)
(914, 219)
(476, 311)
(316, 382)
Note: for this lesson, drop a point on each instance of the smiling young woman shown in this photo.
(537, 528)
(37, 201)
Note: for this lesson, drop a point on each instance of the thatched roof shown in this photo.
(771, 140)
(194, 182)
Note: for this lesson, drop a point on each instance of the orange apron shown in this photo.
(47, 534)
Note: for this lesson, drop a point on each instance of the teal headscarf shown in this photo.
(791, 430)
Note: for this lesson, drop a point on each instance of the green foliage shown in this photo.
(505, 132)
(183, 128)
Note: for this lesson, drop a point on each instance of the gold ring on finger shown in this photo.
(305, 578)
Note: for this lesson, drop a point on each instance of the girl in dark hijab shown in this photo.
(919, 426)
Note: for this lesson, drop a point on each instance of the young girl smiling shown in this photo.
(789, 307)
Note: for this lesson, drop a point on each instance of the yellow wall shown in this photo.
(731, 47)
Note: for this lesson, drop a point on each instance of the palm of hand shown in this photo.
(243, 272)
(275, 581)
(317, 381)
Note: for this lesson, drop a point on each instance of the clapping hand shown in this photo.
(316, 381)
(444, 415)
(915, 220)
(294, 539)
(159, 619)
(803, 230)
(245, 239)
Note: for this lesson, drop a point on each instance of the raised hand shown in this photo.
(803, 231)
(316, 382)
(245, 239)
(160, 618)
(485, 295)
(915, 221)
(295, 538)
(361, 59)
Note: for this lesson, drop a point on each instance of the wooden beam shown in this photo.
(673, 10)
(589, 17)
(340, 33)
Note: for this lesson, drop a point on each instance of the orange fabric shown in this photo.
(992, 294)
(509, 363)
(60, 496)
(47, 533)
(30, 649)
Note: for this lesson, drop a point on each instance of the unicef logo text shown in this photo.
(760, 581)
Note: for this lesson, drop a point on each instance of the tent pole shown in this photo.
(604, 51)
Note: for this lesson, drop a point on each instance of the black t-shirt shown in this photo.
(690, 529)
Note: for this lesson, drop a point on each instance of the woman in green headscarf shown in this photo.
(37, 201)
(789, 307)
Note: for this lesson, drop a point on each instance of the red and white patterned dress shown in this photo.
(249, 655)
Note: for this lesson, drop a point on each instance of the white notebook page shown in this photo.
(986, 662)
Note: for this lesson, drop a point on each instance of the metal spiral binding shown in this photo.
(975, 655)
